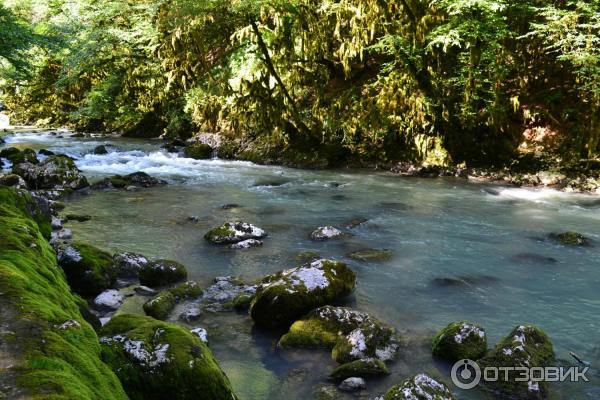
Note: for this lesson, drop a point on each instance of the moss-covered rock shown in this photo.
(160, 306)
(89, 270)
(56, 172)
(526, 346)
(21, 156)
(323, 233)
(48, 349)
(159, 360)
(13, 180)
(420, 387)
(283, 297)
(161, 273)
(351, 335)
(128, 264)
(460, 340)
(234, 232)
(242, 301)
(362, 368)
(307, 256)
(140, 179)
(570, 239)
(198, 151)
(371, 255)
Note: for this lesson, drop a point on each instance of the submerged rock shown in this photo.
(159, 360)
(78, 217)
(161, 273)
(460, 340)
(352, 384)
(56, 172)
(371, 255)
(526, 346)
(234, 232)
(325, 233)
(355, 222)
(570, 239)
(420, 387)
(535, 258)
(464, 281)
(307, 256)
(89, 270)
(351, 335)
(198, 151)
(362, 368)
(283, 297)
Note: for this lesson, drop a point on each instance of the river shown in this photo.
(489, 237)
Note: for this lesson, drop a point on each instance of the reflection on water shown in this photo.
(460, 251)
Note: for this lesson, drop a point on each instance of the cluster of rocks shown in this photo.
(525, 346)
(130, 182)
(195, 150)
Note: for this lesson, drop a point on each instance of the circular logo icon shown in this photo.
(466, 374)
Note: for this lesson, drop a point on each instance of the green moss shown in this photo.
(160, 306)
(460, 340)
(362, 368)
(372, 255)
(570, 238)
(27, 155)
(215, 234)
(162, 273)
(118, 181)
(307, 256)
(47, 362)
(198, 151)
(283, 297)
(420, 387)
(242, 301)
(340, 329)
(174, 362)
(89, 270)
(525, 346)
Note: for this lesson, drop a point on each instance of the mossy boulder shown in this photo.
(283, 297)
(48, 349)
(161, 273)
(198, 151)
(371, 255)
(157, 360)
(21, 156)
(140, 179)
(56, 172)
(570, 239)
(526, 346)
(13, 180)
(323, 233)
(363, 368)
(420, 387)
(89, 270)
(160, 306)
(234, 232)
(351, 335)
(100, 150)
(460, 340)
(242, 301)
(128, 264)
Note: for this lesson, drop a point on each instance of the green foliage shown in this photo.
(376, 80)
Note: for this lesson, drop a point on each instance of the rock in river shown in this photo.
(420, 387)
(352, 384)
(526, 346)
(234, 232)
(351, 335)
(56, 172)
(283, 297)
(109, 299)
(161, 273)
(89, 270)
(460, 340)
(325, 233)
(570, 239)
(129, 264)
(159, 360)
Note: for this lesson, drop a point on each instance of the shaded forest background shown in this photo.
(481, 82)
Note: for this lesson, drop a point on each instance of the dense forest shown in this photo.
(482, 82)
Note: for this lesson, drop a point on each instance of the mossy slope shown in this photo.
(43, 358)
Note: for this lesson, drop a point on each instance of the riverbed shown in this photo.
(461, 251)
